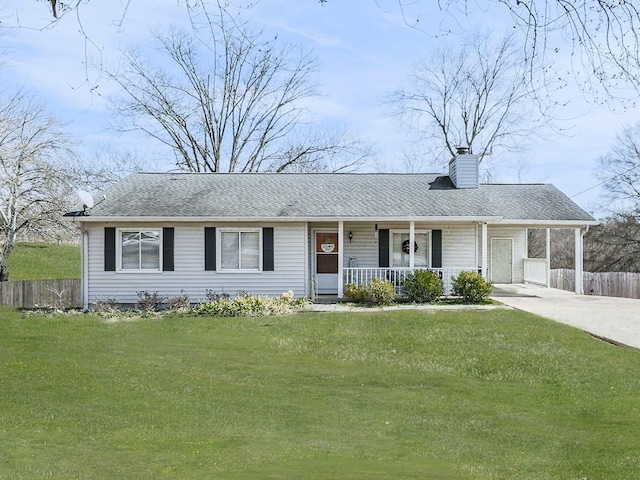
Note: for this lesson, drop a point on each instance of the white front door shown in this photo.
(326, 262)
(502, 260)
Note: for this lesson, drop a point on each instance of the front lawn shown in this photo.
(383, 395)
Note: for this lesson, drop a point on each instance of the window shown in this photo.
(400, 250)
(139, 250)
(240, 249)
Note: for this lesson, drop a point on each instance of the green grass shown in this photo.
(383, 395)
(40, 261)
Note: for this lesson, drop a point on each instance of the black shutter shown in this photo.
(267, 250)
(167, 249)
(209, 248)
(436, 248)
(383, 247)
(109, 249)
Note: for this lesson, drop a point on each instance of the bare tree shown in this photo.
(614, 245)
(602, 37)
(233, 101)
(620, 167)
(103, 167)
(476, 96)
(34, 190)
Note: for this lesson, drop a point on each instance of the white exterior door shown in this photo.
(326, 262)
(502, 260)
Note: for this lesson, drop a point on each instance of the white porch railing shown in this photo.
(535, 271)
(363, 276)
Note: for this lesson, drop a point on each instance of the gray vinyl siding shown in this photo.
(458, 242)
(519, 236)
(189, 274)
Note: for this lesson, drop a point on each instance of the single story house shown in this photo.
(312, 233)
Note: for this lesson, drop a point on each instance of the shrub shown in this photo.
(179, 304)
(423, 286)
(149, 301)
(251, 306)
(355, 293)
(471, 287)
(106, 305)
(213, 296)
(382, 291)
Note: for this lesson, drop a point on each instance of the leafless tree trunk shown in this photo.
(476, 97)
(34, 191)
(228, 100)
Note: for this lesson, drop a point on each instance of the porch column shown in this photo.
(578, 249)
(485, 251)
(340, 259)
(547, 268)
(412, 242)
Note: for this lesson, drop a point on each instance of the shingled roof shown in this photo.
(341, 196)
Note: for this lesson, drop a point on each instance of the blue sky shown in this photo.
(365, 49)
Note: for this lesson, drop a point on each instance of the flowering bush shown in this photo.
(382, 291)
(251, 306)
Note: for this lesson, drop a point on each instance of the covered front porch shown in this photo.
(357, 251)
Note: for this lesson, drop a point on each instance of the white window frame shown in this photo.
(408, 232)
(239, 231)
(119, 232)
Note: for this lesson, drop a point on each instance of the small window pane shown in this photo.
(400, 258)
(130, 250)
(150, 250)
(421, 257)
(230, 250)
(250, 255)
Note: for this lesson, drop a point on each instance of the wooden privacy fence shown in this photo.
(608, 284)
(63, 293)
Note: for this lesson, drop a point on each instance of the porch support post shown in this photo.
(340, 259)
(547, 267)
(412, 242)
(485, 251)
(578, 249)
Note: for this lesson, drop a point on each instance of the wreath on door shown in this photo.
(405, 246)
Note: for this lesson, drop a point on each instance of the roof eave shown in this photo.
(189, 219)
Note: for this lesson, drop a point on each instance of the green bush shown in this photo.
(251, 306)
(471, 287)
(356, 294)
(423, 286)
(382, 291)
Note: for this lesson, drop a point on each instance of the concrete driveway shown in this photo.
(613, 318)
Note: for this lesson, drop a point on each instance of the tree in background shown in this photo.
(34, 189)
(603, 38)
(476, 96)
(228, 100)
(614, 245)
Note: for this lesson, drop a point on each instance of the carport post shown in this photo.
(578, 270)
(340, 259)
(548, 259)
